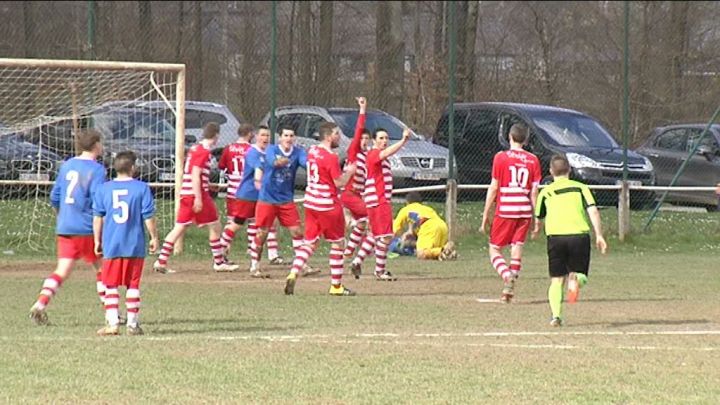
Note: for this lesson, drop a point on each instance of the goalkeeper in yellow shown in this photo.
(431, 230)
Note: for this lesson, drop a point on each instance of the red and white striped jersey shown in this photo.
(197, 156)
(378, 181)
(357, 183)
(233, 162)
(517, 172)
(323, 167)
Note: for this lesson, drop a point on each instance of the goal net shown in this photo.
(43, 103)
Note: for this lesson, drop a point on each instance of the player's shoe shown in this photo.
(341, 291)
(257, 273)
(135, 331)
(356, 270)
(448, 252)
(290, 283)
(228, 261)
(277, 260)
(225, 267)
(556, 322)
(385, 276)
(508, 291)
(122, 320)
(162, 269)
(39, 316)
(109, 330)
(308, 270)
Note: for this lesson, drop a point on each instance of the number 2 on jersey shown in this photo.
(519, 176)
(72, 177)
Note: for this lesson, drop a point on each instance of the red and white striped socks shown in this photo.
(366, 248)
(100, 287)
(255, 250)
(272, 243)
(112, 301)
(336, 265)
(49, 289)
(217, 251)
(356, 237)
(228, 235)
(302, 255)
(165, 252)
(251, 234)
(380, 256)
(501, 267)
(132, 303)
(515, 267)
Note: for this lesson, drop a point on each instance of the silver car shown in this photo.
(418, 163)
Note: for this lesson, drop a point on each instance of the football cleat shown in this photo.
(448, 252)
(341, 291)
(508, 291)
(135, 331)
(385, 276)
(308, 270)
(109, 331)
(225, 267)
(122, 320)
(290, 283)
(356, 270)
(257, 273)
(556, 322)
(39, 316)
(162, 269)
(277, 261)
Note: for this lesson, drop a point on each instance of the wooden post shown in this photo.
(451, 208)
(623, 210)
(179, 146)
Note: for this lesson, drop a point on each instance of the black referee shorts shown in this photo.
(568, 253)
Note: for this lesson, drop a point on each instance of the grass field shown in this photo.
(646, 330)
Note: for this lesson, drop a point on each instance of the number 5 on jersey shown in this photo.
(122, 217)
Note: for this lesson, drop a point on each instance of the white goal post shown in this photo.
(44, 102)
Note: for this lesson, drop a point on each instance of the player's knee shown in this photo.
(236, 222)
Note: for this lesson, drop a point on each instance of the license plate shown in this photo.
(425, 176)
(167, 176)
(631, 183)
(34, 176)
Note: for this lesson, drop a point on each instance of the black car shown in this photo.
(21, 160)
(481, 130)
(669, 146)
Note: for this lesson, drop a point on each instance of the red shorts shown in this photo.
(265, 214)
(207, 215)
(242, 209)
(328, 224)
(122, 271)
(509, 231)
(355, 204)
(381, 220)
(76, 247)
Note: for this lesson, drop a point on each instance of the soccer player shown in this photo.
(71, 198)
(274, 177)
(238, 210)
(516, 175)
(323, 210)
(430, 228)
(120, 208)
(565, 205)
(351, 196)
(378, 194)
(196, 204)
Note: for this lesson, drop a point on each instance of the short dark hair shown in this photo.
(124, 162)
(413, 197)
(87, 138)
(285, 128)
(378, 130)
(519, 133)
(211, 130)
(559, 165)
(245, 131)
(367, 132)
(326, 129)
(263, 127)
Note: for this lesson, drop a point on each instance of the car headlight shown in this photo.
(579, 161)
(395, 162)
(647, 166)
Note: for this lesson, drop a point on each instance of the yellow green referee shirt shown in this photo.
(563, 204)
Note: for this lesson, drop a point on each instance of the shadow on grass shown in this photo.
(226, 329)
(633, 322)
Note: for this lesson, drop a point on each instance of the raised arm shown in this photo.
(393, 149)
(354, 148)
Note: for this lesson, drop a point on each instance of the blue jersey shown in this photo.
(72, 195)
(278, 183)
(254, 158)
(124, 205)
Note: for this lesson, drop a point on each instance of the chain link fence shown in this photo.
(556, 66)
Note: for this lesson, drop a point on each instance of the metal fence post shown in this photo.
(624, 192)
(623, 210)
(451, 190)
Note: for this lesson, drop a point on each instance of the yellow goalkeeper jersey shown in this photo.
(414, 214)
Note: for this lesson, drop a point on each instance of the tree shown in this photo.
(305, 87)
(390, 45)
(145, 28)
(325, 62)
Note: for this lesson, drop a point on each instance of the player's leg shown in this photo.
(332, 224)
(500, 236)
(381, 228)
(430, 241)
(265, 215)
(111, 275)
(359, 228)
(367, 248)
(520, 232)
(232, 226)
(578, 266)
(558, 269)
(99, 285)
(305, 250)
(272, 247)
(132, 296)
(219, 262)
(49, 288)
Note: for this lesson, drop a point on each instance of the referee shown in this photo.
(565, 205)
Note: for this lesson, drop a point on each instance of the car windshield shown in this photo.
(135, 125)
(346, 120)
(568, 129)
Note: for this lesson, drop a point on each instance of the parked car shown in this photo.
(481, 130)
(123, 128)
(668, 147)
(21, 160)
(418, 163)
